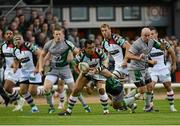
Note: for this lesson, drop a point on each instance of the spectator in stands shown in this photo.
(41, 20)
(99, 37)
(36, 28)
(1, 36)
(45, 29)
(51, 29)
(49, 18)
(55, 20)
(13, 26)
(91, 37)
(30, 27)
(42, 39)
(22, 24)
(178, 56)
(32, 39)
(19, 12)
(73, 37)
(28, 35)
(65, 26)
(98, 43)
(82, 41)
(16, 19)
(34, 15)
(3, 23)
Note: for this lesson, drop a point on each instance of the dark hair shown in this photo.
(152, 28)
(88, 42)
(58, 28)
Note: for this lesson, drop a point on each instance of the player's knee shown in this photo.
(150, 87)
(101, 91)
(47, 86)
(76, 91)
(8, 89)
(33, 92)
(142, 89)
(22, 91)
(167, 85)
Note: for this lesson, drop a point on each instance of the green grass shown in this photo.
(79, 117)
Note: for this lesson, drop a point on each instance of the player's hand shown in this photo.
(152, 62)
(15, 69)
(173, 67)
(142, 56)
(93, 70)
(35, 70)
(41, 70)
(124, 64)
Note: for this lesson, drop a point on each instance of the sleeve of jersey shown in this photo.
(165, 44)
(156, 44)
(47, 46)
(134, 49)
(1, 51)
(31, 47)
(1, 54)
(71, 45)
(119, 40)
(17, 54)
(78, 58)
(102, 54)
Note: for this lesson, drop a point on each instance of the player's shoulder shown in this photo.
(99, 50)
(49, 42)
(3, 43)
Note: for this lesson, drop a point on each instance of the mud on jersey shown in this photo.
(59, 52)
(25, 55)
(94, 60)
(7, 52)
(114, 47)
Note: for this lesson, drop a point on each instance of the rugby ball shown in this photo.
(83, 67)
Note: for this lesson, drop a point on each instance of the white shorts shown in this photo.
(161, 75)
(63, 73)
(10, 75)
(33, 78)
(54, 79)
(121, 69)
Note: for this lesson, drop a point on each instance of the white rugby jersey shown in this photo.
(157, 55)
(114, 47)
(7, 51)
(25, 55)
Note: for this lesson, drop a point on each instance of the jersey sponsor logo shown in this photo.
(8, 55)
(25, 60)
(156, 54)
(113, 52)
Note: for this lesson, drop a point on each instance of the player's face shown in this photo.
(90, 49)
(58, 35)
(18, 40)
(154, 34)
(9, 35)
(106, 32)
(146, 36)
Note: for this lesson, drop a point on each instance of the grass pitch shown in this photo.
(80, 117)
